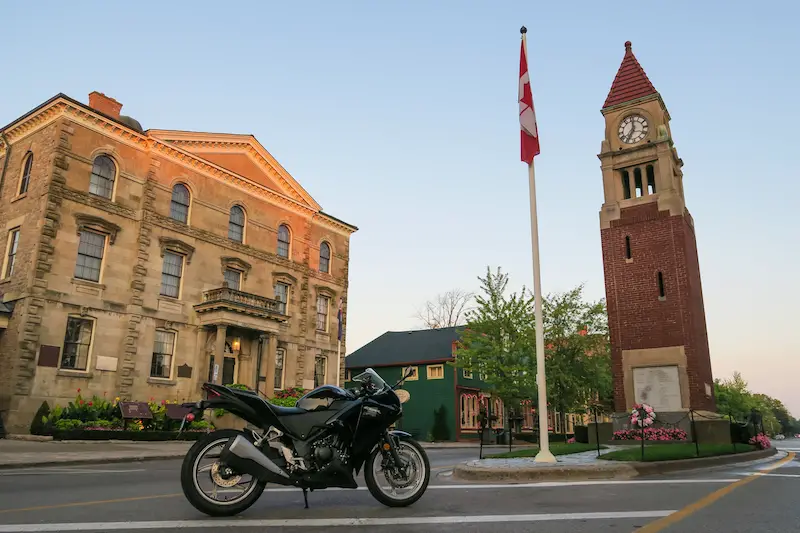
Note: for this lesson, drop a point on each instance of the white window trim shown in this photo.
(171, 359)
(244, 223)
(116, 176)
(189, 207)
(28, 155)
(106, 244)
(7, 249)
(431, 367)
(89, 355)
(467, 374)
(327, 313)
(183, 275)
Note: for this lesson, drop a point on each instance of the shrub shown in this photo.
(66, 424)
(39, 422)
(440, 431)
(654, 434)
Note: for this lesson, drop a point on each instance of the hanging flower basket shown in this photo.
(642, 415)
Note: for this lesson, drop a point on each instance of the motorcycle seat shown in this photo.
(281, 411)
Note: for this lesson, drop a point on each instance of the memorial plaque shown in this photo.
(48, 356)
(659, 387)
(184, 371)
(132, 410)
(106, 363)
(176, 412)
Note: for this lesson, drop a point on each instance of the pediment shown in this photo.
(242, 155)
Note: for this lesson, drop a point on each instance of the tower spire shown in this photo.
(631, 81)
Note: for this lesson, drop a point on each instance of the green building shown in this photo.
(444, 401)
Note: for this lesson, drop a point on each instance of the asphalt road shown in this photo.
(146, 497)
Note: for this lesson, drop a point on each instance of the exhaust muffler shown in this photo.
(241, 455)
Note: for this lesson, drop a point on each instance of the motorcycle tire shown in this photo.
(377, 493)
(192, 491)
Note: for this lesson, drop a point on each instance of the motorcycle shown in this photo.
(323, 442)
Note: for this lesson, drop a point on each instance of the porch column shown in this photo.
(219, 350)
(269, 386)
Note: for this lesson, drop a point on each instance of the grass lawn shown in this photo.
(558, 448)
(670, 452)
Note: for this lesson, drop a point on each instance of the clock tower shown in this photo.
(657, 323)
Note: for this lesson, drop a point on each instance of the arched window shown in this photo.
(651, 180)
(628, 247)
(637, 178)
(626, 184)
(283, 240)
(661, 291)
(179, 206)
(26, 173)
(325, 257)
(236, 224)
(104, 171)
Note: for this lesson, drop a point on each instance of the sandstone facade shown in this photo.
(144, 263)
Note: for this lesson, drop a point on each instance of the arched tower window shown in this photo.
(627, 247)
(284, 240)
(651, 180)
(661, 291)
(626, 184)
(179, 205)
(236, 224)
(325, 257)
(637, 178)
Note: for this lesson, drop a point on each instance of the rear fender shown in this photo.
(262, 419)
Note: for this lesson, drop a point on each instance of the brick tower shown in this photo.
(657, 322)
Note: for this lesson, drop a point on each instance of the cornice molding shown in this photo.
(94, 223)
(284, 276)
(176, 245)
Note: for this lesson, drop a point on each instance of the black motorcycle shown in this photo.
(321, 443)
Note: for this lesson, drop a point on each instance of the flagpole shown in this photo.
(544, 455)
(338, 362)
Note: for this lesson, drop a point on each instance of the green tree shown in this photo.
(577, 352)
(498, 340)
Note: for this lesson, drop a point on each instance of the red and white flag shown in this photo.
(527, 115)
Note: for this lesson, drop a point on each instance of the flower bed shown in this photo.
(652, 434)
(761, 441)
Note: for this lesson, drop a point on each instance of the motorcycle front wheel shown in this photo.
(393, 487)
(209, 485)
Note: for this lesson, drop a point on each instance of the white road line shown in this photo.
(542, 485)
(51, 472)
(778, 475)
(328, 522)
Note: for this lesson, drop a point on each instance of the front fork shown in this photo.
(389, 447)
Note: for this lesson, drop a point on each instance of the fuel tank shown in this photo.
(326, 397)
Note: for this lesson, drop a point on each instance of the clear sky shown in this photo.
(401, 118)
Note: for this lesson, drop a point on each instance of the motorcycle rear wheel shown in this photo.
(189, 475)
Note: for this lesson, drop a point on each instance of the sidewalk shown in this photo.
(24, 453)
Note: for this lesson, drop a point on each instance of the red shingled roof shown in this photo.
(631, 81)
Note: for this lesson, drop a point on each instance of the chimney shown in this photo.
(104, 104)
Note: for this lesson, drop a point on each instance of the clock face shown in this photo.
(632, 129)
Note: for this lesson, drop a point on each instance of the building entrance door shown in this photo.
(229, 371)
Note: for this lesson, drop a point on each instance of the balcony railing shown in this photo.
(245, 302)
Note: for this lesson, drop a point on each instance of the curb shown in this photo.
(664, 467)
(600, 471)
(90, 461)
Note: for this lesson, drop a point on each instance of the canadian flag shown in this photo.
(527, 115)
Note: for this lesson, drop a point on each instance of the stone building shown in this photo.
(143, 263)
(656, 315)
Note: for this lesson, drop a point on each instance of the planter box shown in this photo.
(150, 436)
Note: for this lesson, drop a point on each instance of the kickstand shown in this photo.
(305, 497)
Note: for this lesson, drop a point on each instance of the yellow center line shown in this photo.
(98, 502)
(674, 518)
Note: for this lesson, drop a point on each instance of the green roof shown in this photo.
(396, 348)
